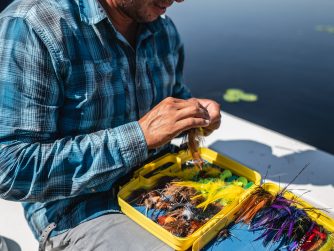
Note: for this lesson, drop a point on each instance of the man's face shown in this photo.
(145, 10)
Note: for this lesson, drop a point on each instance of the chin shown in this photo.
(147, 19)
(147, 15)
(153, 19)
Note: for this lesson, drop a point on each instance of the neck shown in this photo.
(122, 22)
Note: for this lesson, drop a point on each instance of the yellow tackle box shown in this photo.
(147, 176)
(318, 216)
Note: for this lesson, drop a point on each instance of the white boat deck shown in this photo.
(252, 145)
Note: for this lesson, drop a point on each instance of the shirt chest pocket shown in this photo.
(97, 91)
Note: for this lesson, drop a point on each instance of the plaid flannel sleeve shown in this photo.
(36, 165)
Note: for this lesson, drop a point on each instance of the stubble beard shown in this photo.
(136, 10)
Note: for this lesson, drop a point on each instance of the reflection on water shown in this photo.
(270, 48)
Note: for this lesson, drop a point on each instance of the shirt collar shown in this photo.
(155, 26)
(91, 11)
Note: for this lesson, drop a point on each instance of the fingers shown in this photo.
(213, 109)
(192, 113)
(186, 108)
(212, 127)
(174, 100)
(215, 116)
(195, 110)
(173, 116)
(215, 121)
(189, 123)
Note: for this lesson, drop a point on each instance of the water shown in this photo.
(270, 48)
(4, 4)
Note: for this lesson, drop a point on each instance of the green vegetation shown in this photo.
(325, 28)
(237, 95)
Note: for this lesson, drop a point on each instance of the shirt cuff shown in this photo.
(132, 144)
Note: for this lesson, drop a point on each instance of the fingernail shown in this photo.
(207, 121)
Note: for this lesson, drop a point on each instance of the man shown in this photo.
(88, 91)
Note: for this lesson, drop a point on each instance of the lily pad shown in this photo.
(237, 95)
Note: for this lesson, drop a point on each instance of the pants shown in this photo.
(114, 232)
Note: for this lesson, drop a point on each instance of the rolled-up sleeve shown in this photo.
(35, 163)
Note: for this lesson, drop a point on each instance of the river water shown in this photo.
(268, 47)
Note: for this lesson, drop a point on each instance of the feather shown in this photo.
(285, 223)
(280, 221)
(225, 196)
(314, 238)
(195, 138)
(259, 199)
(213, 190)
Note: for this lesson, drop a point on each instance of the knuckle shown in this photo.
(169, 100)
(170, 105)
(194, 101)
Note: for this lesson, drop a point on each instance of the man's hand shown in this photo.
(173, 116)
(213, 109)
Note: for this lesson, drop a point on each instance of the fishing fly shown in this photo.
(194, 140)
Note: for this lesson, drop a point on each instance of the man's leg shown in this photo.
(108, 232)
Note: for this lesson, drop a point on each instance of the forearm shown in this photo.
(69, 166)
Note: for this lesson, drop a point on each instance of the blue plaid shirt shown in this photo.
(71, 92)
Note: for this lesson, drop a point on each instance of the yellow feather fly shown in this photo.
(213, 191)
(225, 196)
